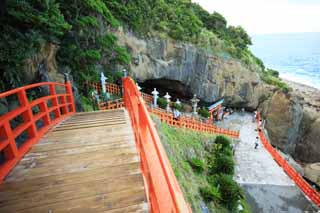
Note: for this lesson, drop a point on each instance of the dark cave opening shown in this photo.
(176, 89)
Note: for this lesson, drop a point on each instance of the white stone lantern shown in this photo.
(167, 97)
(125, 72)
(155, 94)
(138, 87)
(103, 82)
(178, 101)
(194, 102)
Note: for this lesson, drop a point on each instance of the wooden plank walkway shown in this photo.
(88, 163)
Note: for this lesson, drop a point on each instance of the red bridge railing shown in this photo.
(32, 125)
(113, 104)
(291, 172)
(190, 123)
(110, 88)
(162, 188)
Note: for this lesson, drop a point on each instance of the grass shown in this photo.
(188, 154)
(271, 77)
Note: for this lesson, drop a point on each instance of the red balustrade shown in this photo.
(51, 109)
(292, 173)
(162, 188)
(113, 104)
(110, 88)
(147, 98)
(191, 123)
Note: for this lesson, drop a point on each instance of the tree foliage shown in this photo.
(75, 26)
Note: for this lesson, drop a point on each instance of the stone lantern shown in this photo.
(194, 102)
(155, 94)
(167, 97)
(138, 87)
(178, 101)
(103, 82)
(125, 73)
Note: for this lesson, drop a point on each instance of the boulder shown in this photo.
(309, 150)
(283, 121)
(312, 172)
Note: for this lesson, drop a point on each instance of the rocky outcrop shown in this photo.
(45, 60)
(312, 172)
(284, 118)
(293, 126)
(208, 76)
(309, 149)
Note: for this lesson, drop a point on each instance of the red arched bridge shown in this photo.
(53, 159)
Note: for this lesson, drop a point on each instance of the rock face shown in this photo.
(309, 150)
(42, 67)
(284, 117)
(293, 126)
(44, 59)
(312, 172)
(208, 76)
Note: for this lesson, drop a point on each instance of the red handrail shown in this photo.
(292, 173)
(162, 188)
(190, 123)
(110, 88)
(62, 105)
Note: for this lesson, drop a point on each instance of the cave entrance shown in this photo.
(176, 89)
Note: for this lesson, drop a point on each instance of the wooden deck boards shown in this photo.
(88, 163)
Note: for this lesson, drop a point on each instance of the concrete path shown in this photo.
(267, 186)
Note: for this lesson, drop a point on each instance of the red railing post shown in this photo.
(163, 191)
(8, 136)
(300, 182)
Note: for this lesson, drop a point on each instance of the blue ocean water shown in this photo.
(296, 56)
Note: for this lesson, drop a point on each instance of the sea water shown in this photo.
(296, 56)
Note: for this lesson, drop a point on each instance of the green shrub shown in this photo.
(162, 103)
(272, 77)
(223, 141)
(204, 112)
(223, 164)
(197, 165)
(210, 193)
(230, 191)
(177, 106)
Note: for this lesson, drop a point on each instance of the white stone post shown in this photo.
(155, 94)
(178, 101)
(125, 73)
(103, 82)
(138, 87)
(194, 102)
(167, 97)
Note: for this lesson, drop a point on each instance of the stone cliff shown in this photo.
(292, 126)
(208, 76)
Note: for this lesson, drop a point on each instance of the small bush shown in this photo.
(204, 112)
(223, 164)
(223, 141)
(272, 77)
(197, 165)
(210, 193)
(230, 191)
(162, 103)
(177, 106)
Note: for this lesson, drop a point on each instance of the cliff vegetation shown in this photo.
(204, 166)
(83, 31)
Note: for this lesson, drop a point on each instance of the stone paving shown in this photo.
(267, 186)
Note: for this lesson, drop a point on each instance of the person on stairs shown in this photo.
(256, 144)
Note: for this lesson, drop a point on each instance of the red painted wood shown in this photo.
(12, 152)
(291, 172)
(162, 188)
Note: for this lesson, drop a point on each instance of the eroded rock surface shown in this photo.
(208, 76)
